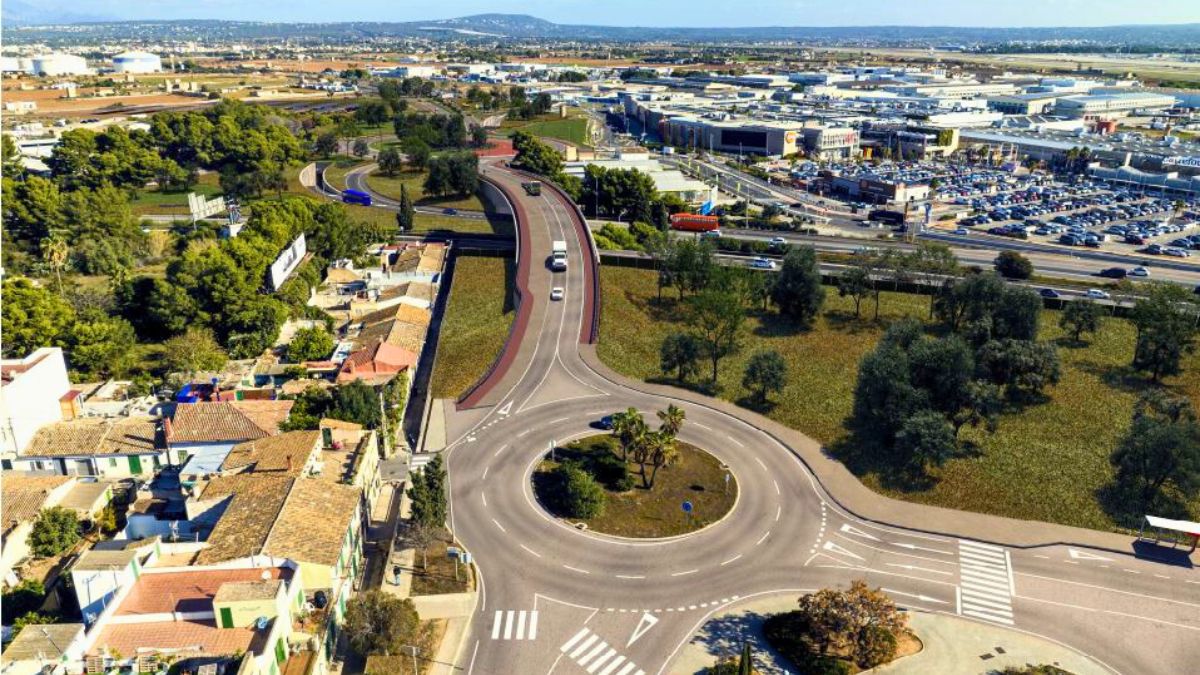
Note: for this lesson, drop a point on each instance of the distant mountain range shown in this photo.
(24, 21)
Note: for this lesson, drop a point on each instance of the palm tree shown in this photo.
(55, 252)
(629, 428)
(672, 420)
(662, 452)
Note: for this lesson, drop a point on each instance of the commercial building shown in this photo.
(743, 136)
(826, 142)
(954, 90)
(1109, 106)
(1022, 104)
(1168, 184)
(137, 62)
(877, 189)
(666, 180)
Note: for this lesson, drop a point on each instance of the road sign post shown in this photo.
(687, 512)
(728, 476)
(552, 454)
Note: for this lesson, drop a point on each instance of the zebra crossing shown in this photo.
(418, 460)
(515, 625)
(985, 582)
(594, 655)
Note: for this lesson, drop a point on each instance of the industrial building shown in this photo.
(1108, 106)
(667, 181)
(954, 90)
(877, 189)
(137, 62)
(1169, 184)
(1022, 104)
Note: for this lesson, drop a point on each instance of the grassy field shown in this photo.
(697, 477)
(1045, 462)
(335, 173)
(572, 129)
(389, 186)
(154, 202)
(476, 323)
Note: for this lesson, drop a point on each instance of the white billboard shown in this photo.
(287, 262)
(202, 207)
(1186, 162)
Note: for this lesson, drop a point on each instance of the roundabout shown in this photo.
(654, 500)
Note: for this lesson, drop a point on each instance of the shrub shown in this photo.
(582, 496)
(22, 599)
(55, 531)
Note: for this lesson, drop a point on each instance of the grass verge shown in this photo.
(389, 186)
(153, 202)
(434, 573)
(697, 477)
(476, 323)
(1045, 462)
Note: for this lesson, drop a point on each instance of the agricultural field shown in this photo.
(1045, 462)
(476, 323)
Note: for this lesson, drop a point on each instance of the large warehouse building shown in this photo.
(137, 62)
(1108, 106)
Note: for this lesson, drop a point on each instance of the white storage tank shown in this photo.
(137, 62)
(59, 64)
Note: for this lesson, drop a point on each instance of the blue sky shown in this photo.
(672, 12)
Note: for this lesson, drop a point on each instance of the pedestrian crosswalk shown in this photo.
(419, 460)
(985, 582)
(515, 625)
(595, 656)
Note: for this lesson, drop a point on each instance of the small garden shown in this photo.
(634, 482)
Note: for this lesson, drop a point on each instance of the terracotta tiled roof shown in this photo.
(414, 314)
(243, 528)
(313, 522)
(23, 496)
(299, 518)
(188, 591)
(377, 361)
(227, 420)
(271, 454)
(181, 638)
(96, 436)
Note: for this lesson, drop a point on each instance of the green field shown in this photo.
(1045, 462)
(153, 202)
(572, 129)
(389, 186)
(697, 477)
(476, 324)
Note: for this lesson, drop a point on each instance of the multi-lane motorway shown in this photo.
(556, 599)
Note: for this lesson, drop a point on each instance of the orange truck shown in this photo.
(691, 222)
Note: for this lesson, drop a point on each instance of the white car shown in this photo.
(777, 241)
(1097, 294)
(556, 293)
(1139, 272)
(962, 231)
(1176, 252)
(762, 264)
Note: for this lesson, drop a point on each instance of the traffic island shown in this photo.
(589, 485)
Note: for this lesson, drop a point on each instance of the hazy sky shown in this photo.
(671, 12)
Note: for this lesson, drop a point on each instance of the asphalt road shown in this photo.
(556, 599)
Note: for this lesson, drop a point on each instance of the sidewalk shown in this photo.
(952, 645)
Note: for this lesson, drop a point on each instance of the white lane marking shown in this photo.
(697, 424)
(499, 525)
(776, 487)
(576, 569)
(556, 421)
(497, 453)
(505, 409)
(914, 568)
(531, 551)
(760, 463)
(922, 598)
(735, 441)
(731, 559)
(683, 573)
(1084, 555)
(612, 665)
(630, 576)
(763, 538)
(914, 547)
(834, 548)
(1111, 590)
(644, 624)
(571, 643)
(483, 496)
(850, 529)
(583, 646)
(778, 512)
(485, 470)
(1114, 613)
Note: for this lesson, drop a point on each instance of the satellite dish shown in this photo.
(266, 575)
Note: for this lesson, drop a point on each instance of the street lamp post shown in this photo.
(413, 651)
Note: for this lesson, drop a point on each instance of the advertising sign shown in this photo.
(287, 262)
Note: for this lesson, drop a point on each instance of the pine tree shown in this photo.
(404, 217)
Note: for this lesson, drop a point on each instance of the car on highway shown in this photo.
(605, 422)
(1097, 294)
(450, 212)
(1113, 273)
(762, 264)
(962, 231)
(556, 293)
(711, 234)
(1049, 293)
(1139, 272)
(1176, 252)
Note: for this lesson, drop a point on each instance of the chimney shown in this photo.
(289, 463)
(168, 431)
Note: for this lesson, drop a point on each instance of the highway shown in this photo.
(557, 599)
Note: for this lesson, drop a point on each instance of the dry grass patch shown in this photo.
(475, 325)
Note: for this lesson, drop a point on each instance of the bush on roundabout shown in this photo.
(581, 495)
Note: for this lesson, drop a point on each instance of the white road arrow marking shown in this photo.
(914, 568)
(505, 409)
(1082, 555)
(850, 529)
(834, 548)
(644, 624)
(922, 598)
(914, 547)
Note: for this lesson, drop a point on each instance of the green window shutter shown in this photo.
(226, 617)
(135, 464)
(280, 651)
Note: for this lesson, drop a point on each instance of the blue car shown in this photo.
(606, 422)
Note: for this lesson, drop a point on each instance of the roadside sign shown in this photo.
(467, 558)
(452, 552)
(687, 507)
